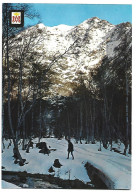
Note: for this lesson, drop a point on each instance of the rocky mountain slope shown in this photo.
(75, 50)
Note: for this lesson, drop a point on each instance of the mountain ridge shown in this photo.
(93, 40)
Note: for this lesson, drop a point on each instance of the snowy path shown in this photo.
(116, 166)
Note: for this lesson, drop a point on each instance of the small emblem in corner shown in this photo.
(16, 18)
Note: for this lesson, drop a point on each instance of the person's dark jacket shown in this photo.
(70, 147)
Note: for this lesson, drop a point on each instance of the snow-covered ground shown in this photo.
(116, 166)
(7, 185)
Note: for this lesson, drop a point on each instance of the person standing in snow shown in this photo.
(70, 149)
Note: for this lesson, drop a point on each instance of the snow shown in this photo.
(40, 163)
(61, 27)
(41, 25)
(110, 48)
(7, 185)
(114, 165)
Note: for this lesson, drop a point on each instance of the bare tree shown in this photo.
(7, 34)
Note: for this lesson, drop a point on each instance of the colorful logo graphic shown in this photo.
(16, 18)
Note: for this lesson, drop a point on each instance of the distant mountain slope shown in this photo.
(92, 41)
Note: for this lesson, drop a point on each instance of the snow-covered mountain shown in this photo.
(83, 48)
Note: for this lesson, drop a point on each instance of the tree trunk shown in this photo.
(32, 129)
(77, 131)
(16, 151)
(40, 115)
(100, 149)
(106, 128)
(24, 136)
(92, 122)
(129, 147)
(86, 122)
(81, 122)
(69, 132)
(18, 117)
(127, 123)
(3, 85)
(111, 144)
(3, 145)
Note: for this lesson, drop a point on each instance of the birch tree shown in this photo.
(7, 42)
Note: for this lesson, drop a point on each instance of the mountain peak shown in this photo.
(95, 19)
(95, 22)
(41, 25)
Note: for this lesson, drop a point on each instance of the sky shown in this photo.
(74, 14)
